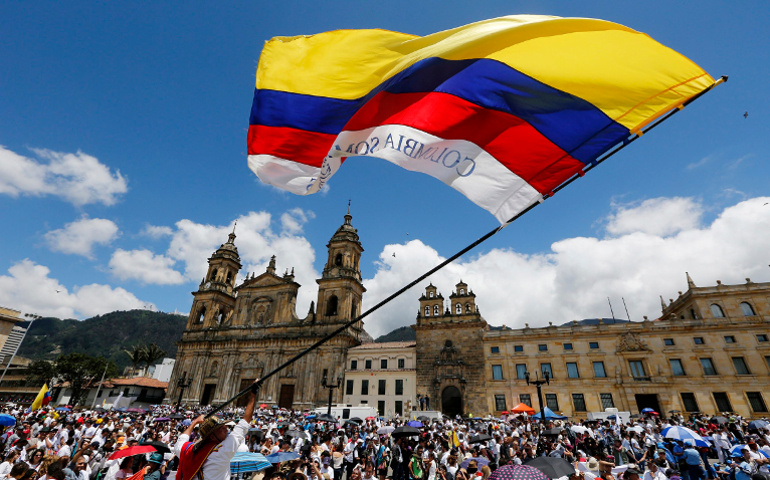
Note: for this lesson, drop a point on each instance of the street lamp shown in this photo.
(182, 383)
(539, 383)
(331, 389)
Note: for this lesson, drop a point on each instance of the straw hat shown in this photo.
(209, 425)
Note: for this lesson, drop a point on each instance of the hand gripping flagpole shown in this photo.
(259, 382)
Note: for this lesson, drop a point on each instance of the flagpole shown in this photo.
(99, 388)
(259, 382)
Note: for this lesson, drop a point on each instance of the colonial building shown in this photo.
(381, 375)
(237, 333)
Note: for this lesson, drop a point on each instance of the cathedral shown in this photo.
(237, 333)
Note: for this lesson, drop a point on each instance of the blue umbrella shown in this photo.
(279, 457)
(549, 415)
(63, 409)
(7, 420)
(648, 410)
(684, 434)
(736, 450)
(757, 424)
(243, 462)
(415, 423)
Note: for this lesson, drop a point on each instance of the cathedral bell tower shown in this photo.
(215, 298)
(340, 289)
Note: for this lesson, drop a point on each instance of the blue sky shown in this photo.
(123, 134)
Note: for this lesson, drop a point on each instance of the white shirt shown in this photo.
(217, 465)
(658, 475)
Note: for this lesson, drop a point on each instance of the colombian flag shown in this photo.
(42, 399)
(503, 110)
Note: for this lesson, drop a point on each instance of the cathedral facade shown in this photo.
(237, 333)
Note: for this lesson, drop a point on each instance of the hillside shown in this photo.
(401, 334)
(103, 335)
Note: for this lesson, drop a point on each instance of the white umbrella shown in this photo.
(581, 429)
(386, 430)
(636, 428)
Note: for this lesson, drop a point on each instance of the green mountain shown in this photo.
(103, 335)
(401, 334)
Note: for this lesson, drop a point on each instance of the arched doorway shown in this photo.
(451, 401)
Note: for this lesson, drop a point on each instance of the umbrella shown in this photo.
(177, 416)
(553, 432)
(162, 419)
(127, 452)
(648, 410)
(356, 420)
(683, 434)
(370, 418)
(386, 430)
(350, 422)
(243, 462)
(254, 431)
(325, 418)
(580, 429)
(636, 428)
(310, 417)
(480, 438)
(719, 420)
(480, 461)
(517, 472)
(279, 457)
(136, 410)
(405, 431)
(523, 408)
(62, 409)
(186, 422)
(423, 419)
(736, 450)
(264, 405)
(7, 420)
(757, 425)
(159, 446)
(549, 415)
(504, 412)
(294, 433)
(552, 467)
(415, 423)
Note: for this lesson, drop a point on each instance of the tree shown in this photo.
(153, 353)
(137, 355)
(40, 372)
(80, 370)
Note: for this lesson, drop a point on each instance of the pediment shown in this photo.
(265, 280)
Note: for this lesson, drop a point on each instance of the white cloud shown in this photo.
(574, 279)
(80, 236)
(293, 220)
(29, 288)
(155, 231)
(656, 216)
(76, 177)
(144, 266)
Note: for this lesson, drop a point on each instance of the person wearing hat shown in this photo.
(631, 473)
(156, 467)
(209, 457)
(653, 472)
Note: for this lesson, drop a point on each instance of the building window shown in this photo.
(729, 338)
(430, 294)
(717, 311)
(331, 306)
(579, 402)
(521, 371)
(494, 349)
(740, 366)
(368, 364)
(427, 311)
(552, 402)
(458, 309)
(518, 348)
(401, 363)
(383, 364)
(698, 340)
(381, 407)
(747, 309)
(349, 387)
(572, 370)
(542, 347)
(668, 342)
(500, 403)
(637, 370)
(546, 368)
(607, 401)
(354, 364)
(567, 346)
(689, 403)
(436, 311)
(364, 387)
(399, 407)
(761, 337)
(756, 401)
(593, 345)
(599, 370)
(677, 369)
(399, 387)
(381, 385)
(708, 366)
(723, 402)
(526, 399)
(497, 372)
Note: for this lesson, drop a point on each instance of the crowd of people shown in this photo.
(97, 445)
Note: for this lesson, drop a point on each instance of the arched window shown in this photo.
(468, 308)
(458, 309)
(462, 291)
(214, 275)
(747, 309)
(430, 295)
(229, 278)
(331, 306)
(201, 314)
(220, 317)
(436, 311)
(427, 311)
(354, 310)
(338, 260)
(716, 311)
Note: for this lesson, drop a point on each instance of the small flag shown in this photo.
(42, 399)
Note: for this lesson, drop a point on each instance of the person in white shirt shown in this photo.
(653, 472)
